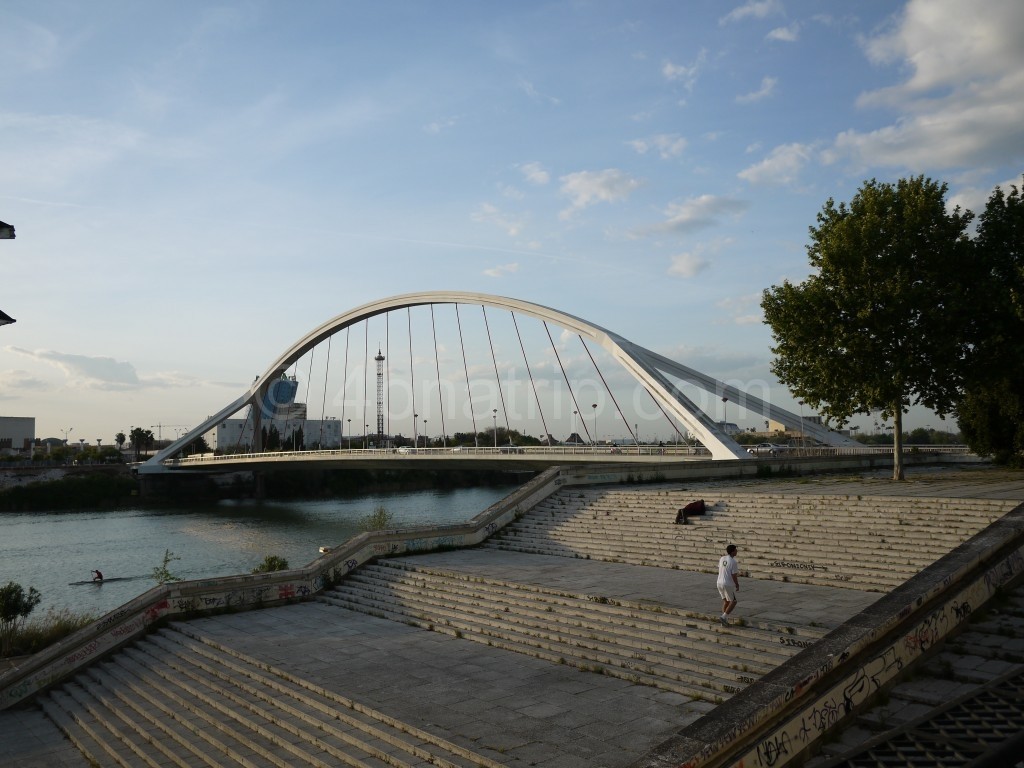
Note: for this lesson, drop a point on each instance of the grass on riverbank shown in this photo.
(42, 631)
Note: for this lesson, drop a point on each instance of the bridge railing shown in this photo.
(608, 452)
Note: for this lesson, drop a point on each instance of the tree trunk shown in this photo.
(897, 445)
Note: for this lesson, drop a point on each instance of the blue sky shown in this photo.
(196, 185)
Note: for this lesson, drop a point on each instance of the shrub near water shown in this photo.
(378, 520)
(44, 631)
(18, 636)
(270, 564)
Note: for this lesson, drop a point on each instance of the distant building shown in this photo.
(17, 434)
(237, 433)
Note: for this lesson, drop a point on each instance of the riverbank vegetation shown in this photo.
(19, 635)
(102, 489)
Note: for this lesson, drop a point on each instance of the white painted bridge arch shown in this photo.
(652, 370)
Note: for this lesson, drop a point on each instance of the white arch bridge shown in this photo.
(455, 375)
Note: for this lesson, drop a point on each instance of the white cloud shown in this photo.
(767, 89)
(753, 9)
(782, 166)
(744, 310)
(535, 173)
(668, 145)
(961, 104)
(84, 371)
(788, 34)
(104, 373)
(528, 88)
(588, 187)
(687, 75)
(502, 270)
(688, 264)
(700, 212)
(13, 381)
(437, 126)
(975, 199)
(490, 214)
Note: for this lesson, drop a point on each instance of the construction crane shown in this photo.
(160, 429)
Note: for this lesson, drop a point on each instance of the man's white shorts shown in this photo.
(728, 592)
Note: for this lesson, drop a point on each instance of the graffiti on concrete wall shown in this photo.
(870, 676)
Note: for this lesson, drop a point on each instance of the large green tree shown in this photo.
(991, 412)
(882, 323)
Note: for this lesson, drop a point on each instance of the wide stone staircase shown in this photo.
(675, 650)
(870, 543)
(178, 698)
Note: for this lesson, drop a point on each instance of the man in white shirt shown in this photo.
(728, 582)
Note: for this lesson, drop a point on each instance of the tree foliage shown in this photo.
(142, 440)
(991, 413)
(882, 323)
(162, 574)
(15, 606)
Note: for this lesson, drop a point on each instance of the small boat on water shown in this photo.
(104, 581)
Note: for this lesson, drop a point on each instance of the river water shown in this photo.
(49, 550)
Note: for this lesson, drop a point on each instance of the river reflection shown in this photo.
(48, 550)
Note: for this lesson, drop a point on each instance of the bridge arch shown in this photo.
(650, 369)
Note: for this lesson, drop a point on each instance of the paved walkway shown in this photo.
(518, 709)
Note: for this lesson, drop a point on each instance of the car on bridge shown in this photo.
(767, 449)
(511, 448)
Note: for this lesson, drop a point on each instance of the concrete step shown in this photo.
(638, 641)
(176, 699)
(799, 566)
(364, 721)
(585, 660)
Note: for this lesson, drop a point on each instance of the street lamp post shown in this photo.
(349, 434)
(415, 435)
(366, 436)
(426, 435)
(494, 418)
(725, 415)
(594, 406)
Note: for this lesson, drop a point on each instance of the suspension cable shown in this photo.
(309, 378)
(437, 368)
(288, 417)
(565, 376)
(412, 377)
(496, 377)
(323, 406)
(533, 384)
(469, 388)
(387, 369)
(607, 389)
(344, 381)
(366, 373)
